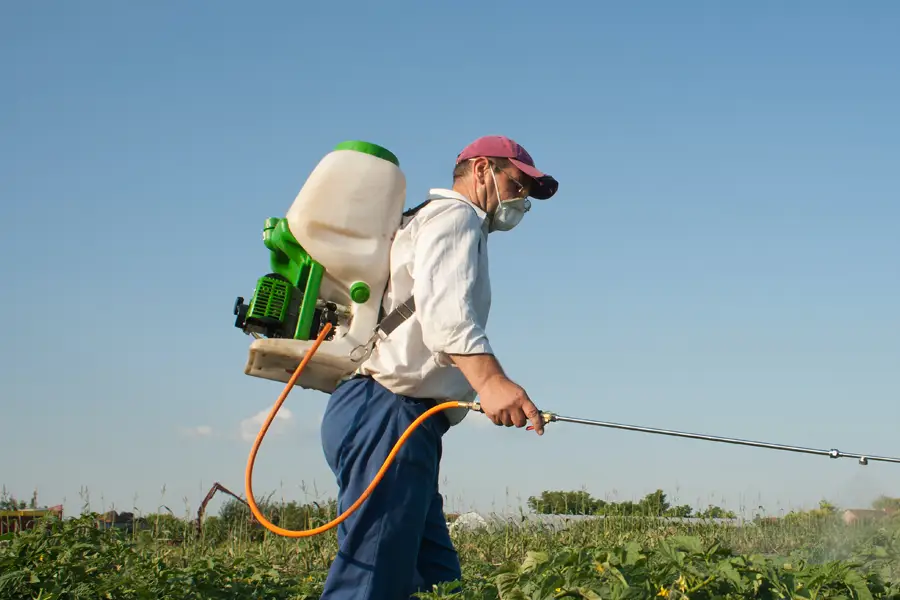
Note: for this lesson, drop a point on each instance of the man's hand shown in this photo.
(506, 403)
(502, 400)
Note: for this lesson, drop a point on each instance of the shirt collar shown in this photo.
(437, 193)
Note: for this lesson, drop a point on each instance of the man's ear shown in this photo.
(480, 167)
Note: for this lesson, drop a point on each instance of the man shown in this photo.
(397, 542)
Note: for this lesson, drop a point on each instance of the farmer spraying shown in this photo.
(397, 542)
(385, 311)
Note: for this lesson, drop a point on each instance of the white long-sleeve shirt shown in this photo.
(440, 257)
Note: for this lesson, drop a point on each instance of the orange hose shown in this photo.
(248, 477)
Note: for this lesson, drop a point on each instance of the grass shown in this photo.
(810, 555)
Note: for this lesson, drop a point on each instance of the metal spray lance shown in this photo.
(863, 459)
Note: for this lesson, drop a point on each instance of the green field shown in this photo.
(805, 555)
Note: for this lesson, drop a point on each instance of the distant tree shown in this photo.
(715, 512)
(683, 511)
(565, 503)
(654, 504)
(886, 503)
(826, 508)
(8, 502)
(626, 508)
(824, 512)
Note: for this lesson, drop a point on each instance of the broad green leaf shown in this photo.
(859, 585)
(729, 573)
(618, 575)
(669, 551)
(686, 542)
(588, 594)
(633, 553)
(508, 588)
(533, 560)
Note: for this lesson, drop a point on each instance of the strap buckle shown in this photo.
(391, 322)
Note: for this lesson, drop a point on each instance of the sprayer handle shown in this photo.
(548, 417)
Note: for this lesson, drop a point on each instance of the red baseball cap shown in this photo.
(498, 146)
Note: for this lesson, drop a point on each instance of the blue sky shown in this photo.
(721, 257)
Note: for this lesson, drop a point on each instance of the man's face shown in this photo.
(511, 183)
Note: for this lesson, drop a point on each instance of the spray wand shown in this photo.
(833, 453)
(548, 417)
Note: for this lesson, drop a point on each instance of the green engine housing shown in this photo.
(285, 302)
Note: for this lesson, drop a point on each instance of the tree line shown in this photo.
(654, 504)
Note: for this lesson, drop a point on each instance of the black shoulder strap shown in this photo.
(412, 211)
(397, 317)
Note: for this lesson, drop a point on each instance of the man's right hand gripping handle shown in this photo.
(502, 400)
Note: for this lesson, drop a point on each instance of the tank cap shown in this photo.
(359, 292)
(369, 148)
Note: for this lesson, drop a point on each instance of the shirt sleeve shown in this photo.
(445, 269)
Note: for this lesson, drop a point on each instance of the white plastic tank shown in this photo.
(346, 213)
(345, 217)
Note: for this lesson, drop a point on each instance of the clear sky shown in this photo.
(722, 255)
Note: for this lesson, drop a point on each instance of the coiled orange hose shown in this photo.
(248, 477)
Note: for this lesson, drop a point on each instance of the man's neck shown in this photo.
(468, 191)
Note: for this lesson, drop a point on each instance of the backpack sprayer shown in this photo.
(346, 215)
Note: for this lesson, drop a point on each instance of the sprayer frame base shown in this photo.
(276, 359)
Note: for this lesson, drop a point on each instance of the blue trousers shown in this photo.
(396, 543)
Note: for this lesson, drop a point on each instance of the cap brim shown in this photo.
(544, 187)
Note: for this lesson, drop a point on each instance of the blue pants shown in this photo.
(396, 543)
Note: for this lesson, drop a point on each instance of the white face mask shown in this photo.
(510, 212)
